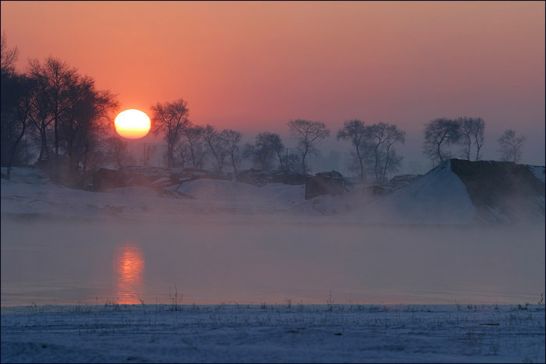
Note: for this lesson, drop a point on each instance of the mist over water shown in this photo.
(255, 259)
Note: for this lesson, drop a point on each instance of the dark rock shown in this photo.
(402, 180)
(62, 171)
(378, 190)
(104, 179)
(290, 178)
(501, 189)
(258, 177)
(254, 177)
(325, 183)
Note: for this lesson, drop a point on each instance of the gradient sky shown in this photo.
(254, 66)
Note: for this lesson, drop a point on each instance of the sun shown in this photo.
(132, 124)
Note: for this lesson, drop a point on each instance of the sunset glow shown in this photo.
(132, 124)
(253, 66)
(129, 265)
(196, 181)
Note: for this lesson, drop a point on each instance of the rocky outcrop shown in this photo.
(258, 177)
(401, 181)
(104, 179)
(502, 191)
(465, 192)
(325, 183)
(156, 178)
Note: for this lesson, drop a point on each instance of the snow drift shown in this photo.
(455, 192)
(462, 192)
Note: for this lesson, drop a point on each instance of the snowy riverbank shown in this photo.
(273, 333)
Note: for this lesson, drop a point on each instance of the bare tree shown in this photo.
(291, 162)
(8, 56)
(391, 160)
(217, 146)
(438, 134)
(381, 138)
(307, 134)
(266, 148)
(77, 111)
(15, 109)
(60, 103)
(56, 81)
(170, 118)
(84, 121)
(472, 130)
(356, 132)
(510, 146)
(116, 150)
(147, 153)
(192, 146)
(232, 140)
(274, 142)
(39, 116)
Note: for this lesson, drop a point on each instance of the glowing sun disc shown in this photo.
(132, 124)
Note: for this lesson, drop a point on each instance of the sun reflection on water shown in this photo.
(129, 264)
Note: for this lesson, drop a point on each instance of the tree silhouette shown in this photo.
(438, 134)
(356, 132)
(472, 130)
(307, 134)
(170, 119)
(510, 146)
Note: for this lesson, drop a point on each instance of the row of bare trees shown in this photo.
(468, 134)
(52, 109)
(373, 148)
(192, 145)
(55, 113)
(189, 144)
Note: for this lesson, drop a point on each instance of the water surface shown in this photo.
(273, 260)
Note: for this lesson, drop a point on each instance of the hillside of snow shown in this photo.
(455, 192)
(31, 193)
(438, 197)
(463, 192)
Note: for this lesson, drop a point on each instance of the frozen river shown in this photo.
(246, 259)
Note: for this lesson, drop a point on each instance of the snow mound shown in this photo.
(438, 197)
(237, 193)
(538, 172)
(456, 192)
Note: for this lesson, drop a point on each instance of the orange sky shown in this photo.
(254, 66)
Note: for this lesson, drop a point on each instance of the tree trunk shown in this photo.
(279, 157)
(55, 124)
(234, 166)
(478, 149)
(14, 150)
(192, 155)
(439, 145)
(439, 152)
(43, 145)
(387, 163)
(362, 179)
(303, 165)
(170, 157)
(376, 166)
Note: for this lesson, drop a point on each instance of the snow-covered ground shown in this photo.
(538, 172)
(238, 242)
(279, 333)
(30, 193)
(220, 241)
(439, 197)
